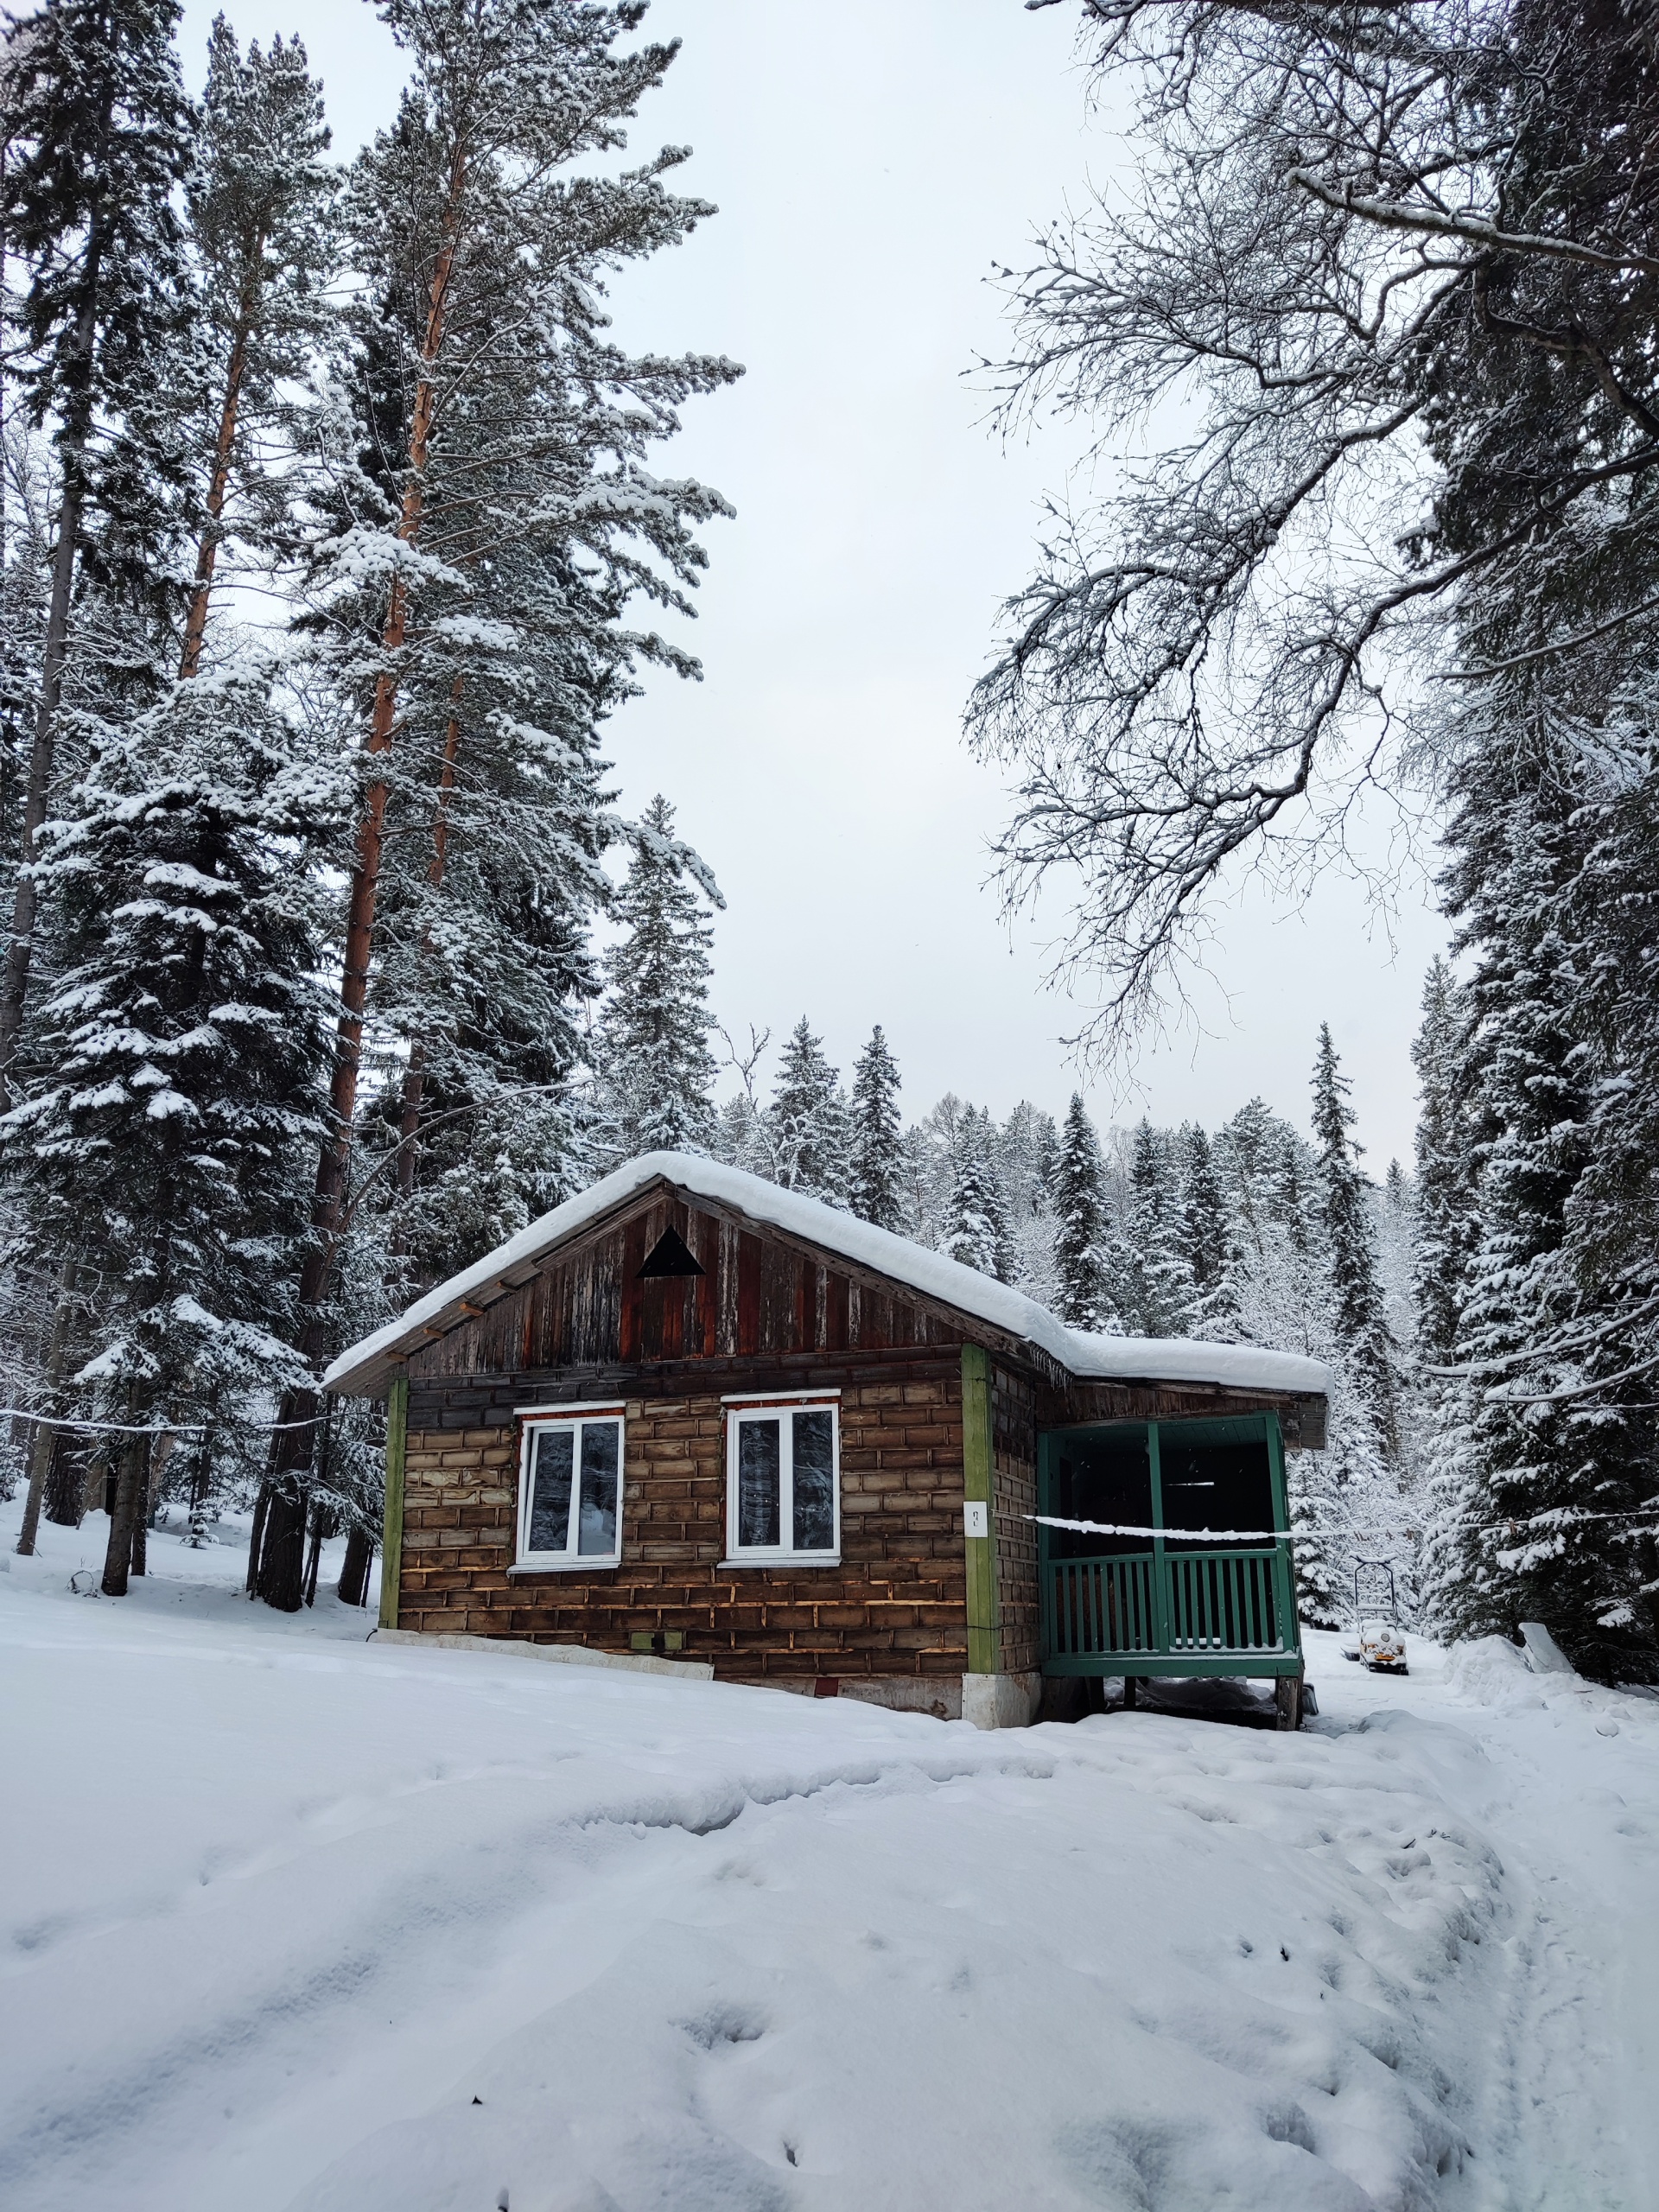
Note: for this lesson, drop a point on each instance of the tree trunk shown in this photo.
(281, 1580)
(195, 626)
(408, 1125)
(352, 1588)
(40, 1458)
(275, 1564)
(65, 1484)
(14, 986)
(131, 1494)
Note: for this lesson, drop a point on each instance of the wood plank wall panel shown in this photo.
(895, 1606)
(1013, 1499)
(590, 1307)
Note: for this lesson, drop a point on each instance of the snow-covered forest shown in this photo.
(336, 526)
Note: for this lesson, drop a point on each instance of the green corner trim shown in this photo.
(984, 1640)
(391, 1549)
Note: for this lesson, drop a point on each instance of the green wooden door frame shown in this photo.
(1264, 1665)
(391, 1549)
(978, 1474)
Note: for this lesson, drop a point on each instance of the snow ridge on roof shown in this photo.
(1173, 1359)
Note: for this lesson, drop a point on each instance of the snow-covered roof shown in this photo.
(363, 1371)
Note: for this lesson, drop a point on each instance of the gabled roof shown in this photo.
(362, 1370)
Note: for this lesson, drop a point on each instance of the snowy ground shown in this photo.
(295, 1919)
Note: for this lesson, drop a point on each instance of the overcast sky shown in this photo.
(871, 162)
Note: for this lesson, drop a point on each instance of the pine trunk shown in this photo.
(195, 627)
(78, 423)
(275, 1563)
(408, 1127)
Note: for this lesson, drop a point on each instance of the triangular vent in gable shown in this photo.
(671, 1256)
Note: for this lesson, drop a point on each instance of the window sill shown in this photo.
(780, 1559)
(604, 1566)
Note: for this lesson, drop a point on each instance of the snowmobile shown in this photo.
(1377, 1641)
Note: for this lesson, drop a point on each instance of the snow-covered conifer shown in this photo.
(1445, 1169)
(259, 209)
(877, 1190)
(1079, 1209)
(656, 1067)
(976, 1232)
(162, 1145)
(497, 529)
(1161, 1290)
(806, 1120)
(1205, 1239)
(1350, 1248)
(98, 139)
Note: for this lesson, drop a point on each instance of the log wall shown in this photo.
(895, 1608)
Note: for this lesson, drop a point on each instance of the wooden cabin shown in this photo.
(691, 1416)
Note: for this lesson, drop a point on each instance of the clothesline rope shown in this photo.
(148, 1428)
(1185, 1535)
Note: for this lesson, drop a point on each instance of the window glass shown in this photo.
(549, 1508)
(599, 1473)
(759, 1481)
(571, 1504)
(814, 1480)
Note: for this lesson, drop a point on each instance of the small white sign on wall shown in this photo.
(976, 1518)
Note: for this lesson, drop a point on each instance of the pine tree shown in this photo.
(99, 138)
(656, 1066)
(1079, 1209)
(876, 1190)
(806, 1120)
(496, 527)
(260, 209)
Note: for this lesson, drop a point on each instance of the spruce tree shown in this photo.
(496, 529)
(1350, 1252)
(98, 139)
(976, 1232)
(181, 1049)
(1161, 1291)
(806, 1120)
(875, 1193)
(1079, 1210)
(1205, 1240)
(656, 1067)
(1445, 1169)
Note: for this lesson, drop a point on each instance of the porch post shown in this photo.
(391, 1549)
(990, 1698)
(984, 1644)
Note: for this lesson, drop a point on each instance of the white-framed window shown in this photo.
(570, 1488)
(783, 1482)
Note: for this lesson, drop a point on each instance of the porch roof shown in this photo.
(363, 1370)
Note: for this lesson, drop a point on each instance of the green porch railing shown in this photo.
(1198, 1606)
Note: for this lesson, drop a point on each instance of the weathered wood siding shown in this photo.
(1014, 1438)
(895, 1605)
(589, 1306)
(1079, 1403)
